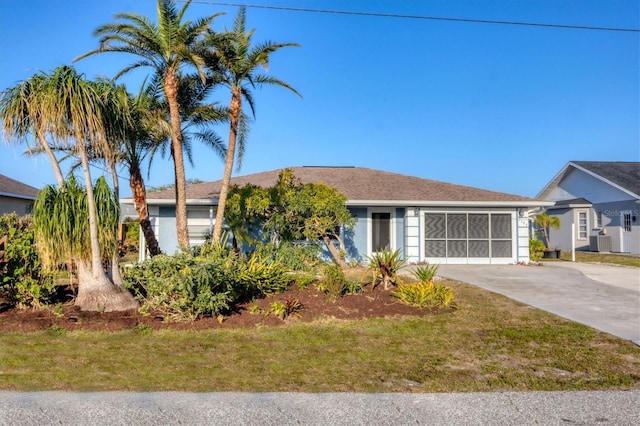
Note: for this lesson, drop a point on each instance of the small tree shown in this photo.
(546, 222)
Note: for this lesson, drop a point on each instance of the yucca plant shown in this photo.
(384, 265)
(425, 273)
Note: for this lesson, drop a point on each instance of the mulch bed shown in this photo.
(372, 303)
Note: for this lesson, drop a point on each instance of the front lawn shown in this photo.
(611, 258)
(490, 343)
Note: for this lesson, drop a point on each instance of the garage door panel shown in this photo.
(436, 248)
(456, 248)
(479, 248)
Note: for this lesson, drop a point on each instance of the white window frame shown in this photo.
(586, 225)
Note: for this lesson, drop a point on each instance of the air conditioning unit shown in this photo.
(600, 243)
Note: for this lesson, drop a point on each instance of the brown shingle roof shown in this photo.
(17, 189)
(358, 184)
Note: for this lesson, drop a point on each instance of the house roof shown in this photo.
(15, 189)
(362, 186)
(624, 175)
(575, 202)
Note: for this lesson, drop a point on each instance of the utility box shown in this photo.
(600, 243)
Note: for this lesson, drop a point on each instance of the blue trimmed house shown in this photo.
(599, 203)
(426, 219)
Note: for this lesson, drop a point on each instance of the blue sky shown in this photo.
(499, 107)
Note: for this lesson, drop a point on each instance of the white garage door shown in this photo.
(464, 236)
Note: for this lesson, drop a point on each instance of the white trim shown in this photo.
(414, 203)
(19, 196)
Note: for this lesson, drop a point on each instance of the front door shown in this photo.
(380, 231)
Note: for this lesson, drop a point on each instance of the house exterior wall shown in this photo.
(355, 240)
(18, 205)
(167, 237)
(578, 184)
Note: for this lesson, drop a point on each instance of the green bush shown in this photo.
(425, 294)
(536, 249)
(297, 257)
(23, 282)
(185, 286)
(334, 283)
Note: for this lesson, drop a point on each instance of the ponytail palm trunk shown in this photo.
(61, 219)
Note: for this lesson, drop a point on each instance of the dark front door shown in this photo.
(381, 231)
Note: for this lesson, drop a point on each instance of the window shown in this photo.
(28, 209)
(626, 222)
(598, 219)
(582, 225)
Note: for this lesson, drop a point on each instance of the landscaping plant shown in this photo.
(425, 294)
(426, 272)
(23, 282)
(384, 266)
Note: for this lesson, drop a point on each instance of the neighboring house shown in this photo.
(428, 220)
(602, 200)
(16, 196)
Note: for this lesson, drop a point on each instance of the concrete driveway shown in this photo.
(604, 297)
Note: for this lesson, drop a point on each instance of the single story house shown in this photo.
(599, 203)
(16, 196)
(427, 220)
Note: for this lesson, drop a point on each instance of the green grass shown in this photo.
(489, 344)
(614, 259)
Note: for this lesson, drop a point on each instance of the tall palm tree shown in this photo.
(166, 46)
(235, 63)
(74, 115)
(21, 115)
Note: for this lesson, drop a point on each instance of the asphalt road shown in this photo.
(172, 408)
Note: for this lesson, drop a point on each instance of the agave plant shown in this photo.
(425, 273)
(385, 265)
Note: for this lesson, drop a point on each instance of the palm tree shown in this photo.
(545, 223)
(73, 113)
(236, 64)
(21, 115)
(166, 47)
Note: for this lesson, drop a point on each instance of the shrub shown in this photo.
(23, 282)
(185, 286)
(536, 249)
(291, 307)
(425, 273)
(425, 294)
(304, 257)
(333, 283)
(385, 265)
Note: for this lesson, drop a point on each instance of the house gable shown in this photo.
(579, 184)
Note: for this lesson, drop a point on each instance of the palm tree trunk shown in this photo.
(54, 161)
(171, 92)
(334, 251)
(235, 108)
(116, 277)
(95, 291)
(140, 201)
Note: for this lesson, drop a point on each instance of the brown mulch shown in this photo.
(315, 306)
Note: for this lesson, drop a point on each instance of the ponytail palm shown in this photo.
(61, 222)
(74, 116)
(21, 115)
(236, 65)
